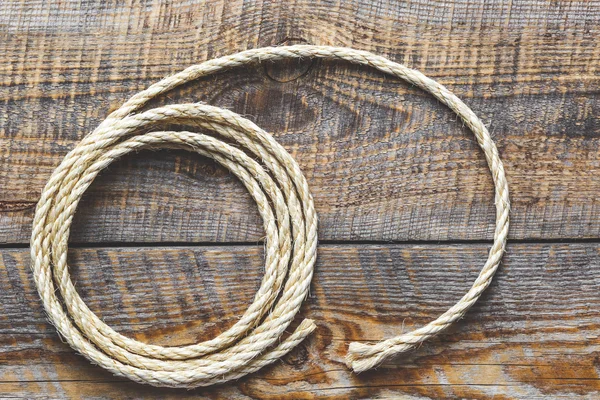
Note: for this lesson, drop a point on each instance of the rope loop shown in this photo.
(289, 219)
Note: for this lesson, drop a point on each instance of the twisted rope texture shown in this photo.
(289, 219)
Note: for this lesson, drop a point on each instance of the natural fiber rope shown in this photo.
(284, 202)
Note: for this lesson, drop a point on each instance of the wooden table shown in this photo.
(166, 246)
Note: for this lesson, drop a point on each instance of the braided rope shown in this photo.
(284, 202)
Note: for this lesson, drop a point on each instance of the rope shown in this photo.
(289, 219)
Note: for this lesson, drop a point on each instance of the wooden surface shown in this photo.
(166, 245)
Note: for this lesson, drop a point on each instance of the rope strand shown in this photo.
(289, 219)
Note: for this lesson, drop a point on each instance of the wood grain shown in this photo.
(534, 334)
(167, 244)
(385, 161)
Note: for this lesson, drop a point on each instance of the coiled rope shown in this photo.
(284, 202)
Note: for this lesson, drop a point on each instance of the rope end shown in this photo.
(307, 326)
(356, 353)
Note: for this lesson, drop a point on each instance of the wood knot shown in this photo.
(297, 357)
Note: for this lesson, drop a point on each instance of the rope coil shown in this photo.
(289, 219)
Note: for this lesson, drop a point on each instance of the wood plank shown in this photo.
(534, 334)
(385, 162)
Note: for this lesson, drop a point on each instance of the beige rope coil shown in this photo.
(284, 202)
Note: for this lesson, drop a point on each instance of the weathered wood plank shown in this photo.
(385, 161)
(534, 334)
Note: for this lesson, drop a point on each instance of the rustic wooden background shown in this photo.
(167, 246)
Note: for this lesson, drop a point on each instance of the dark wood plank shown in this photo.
(534, 334)
(385, 162)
